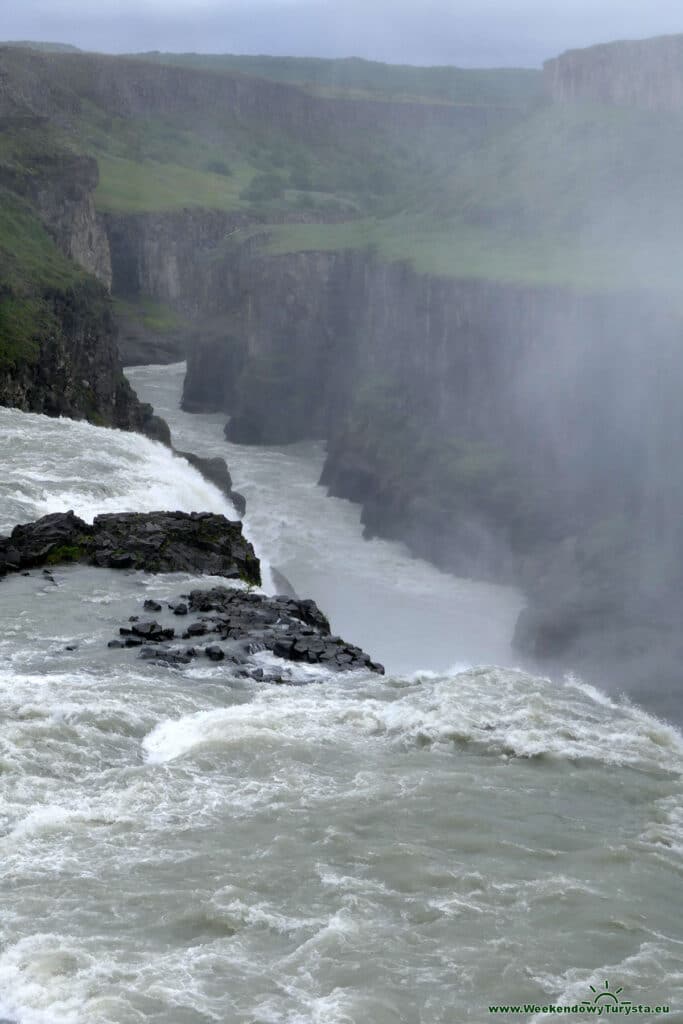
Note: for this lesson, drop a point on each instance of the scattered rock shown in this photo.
(249, 623)
(166, 655)
(245, 622)
(196, 629)
(152, 631)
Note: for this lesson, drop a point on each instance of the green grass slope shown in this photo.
(582, 195)
(159, 165)
(230, 162)
(268, 161)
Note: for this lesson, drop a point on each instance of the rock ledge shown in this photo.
(200, 542)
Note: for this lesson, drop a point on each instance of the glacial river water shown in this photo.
(183, 847)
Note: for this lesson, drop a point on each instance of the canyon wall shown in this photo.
(489, 359)
(508, 432)
(55, 86)
(60, 187)
(645, 73)
(63, 356)
(75, 369)
(62, 191)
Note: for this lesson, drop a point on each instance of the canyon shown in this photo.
(507, 429)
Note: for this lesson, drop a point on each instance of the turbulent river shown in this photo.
(183, 847)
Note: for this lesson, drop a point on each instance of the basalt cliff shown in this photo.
(58, 337)
(645, 73)
(505, 432)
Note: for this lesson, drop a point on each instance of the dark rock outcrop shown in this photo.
(152, 426)
(76, 371)
(152, 541)
(216, 471)
(233, 625)
(67, 363)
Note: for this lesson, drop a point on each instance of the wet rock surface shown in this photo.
(216, 471)
(231, 626)
(197, 542)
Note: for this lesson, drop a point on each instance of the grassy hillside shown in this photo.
(264, 157)
(582, 195)
(159, 166)
(268, 161)
(164, 164)
(554, 194)
(229, 162)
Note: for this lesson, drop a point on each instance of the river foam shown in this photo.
(63, 464)
(183, 847)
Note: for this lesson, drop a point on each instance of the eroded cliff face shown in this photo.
(288, 356)
(55, 85)
(645, 73)
(75, 370)
(170, 255)
(501, 431)
(193, 262)
(62, 191)
(60, 186)
(68, 363)
(480, 359)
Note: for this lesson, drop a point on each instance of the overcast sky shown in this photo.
(465, 32)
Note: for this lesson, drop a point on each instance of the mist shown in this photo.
(497, 33)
